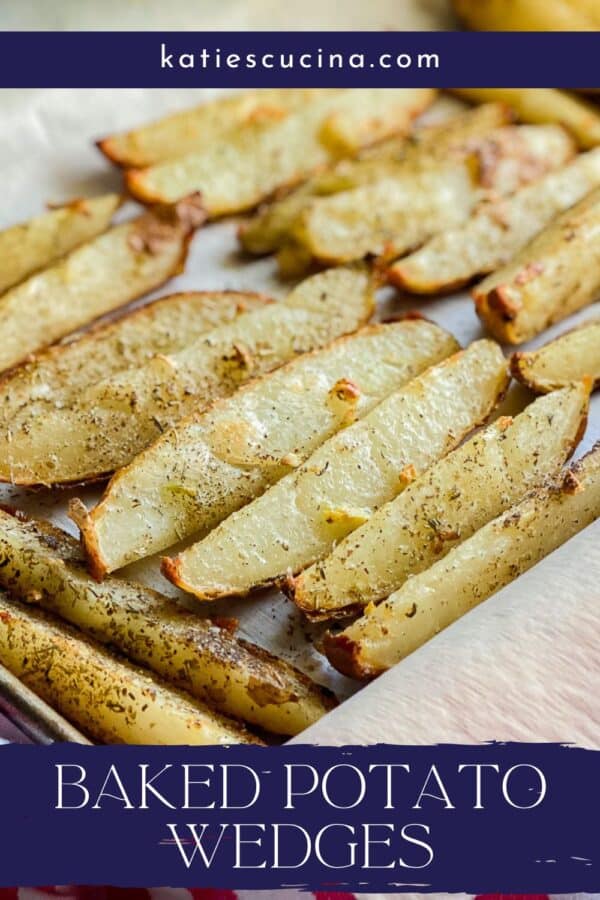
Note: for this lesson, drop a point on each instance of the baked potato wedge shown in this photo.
(545, 105)
(214, 461)
(125, 262)
(339, 487)
(473, 571)
(555, 274)
(200, 127)
(116, 418)
(111, 700)
(56, 376)
(570, 357)
(529, 15)
(236, 174)
(43, 565)
(445, 505)
(496, 232)
(396, 214)
(267, 231)
(30, 246)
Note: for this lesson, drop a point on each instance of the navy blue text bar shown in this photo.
(298, 59)
(510, 818)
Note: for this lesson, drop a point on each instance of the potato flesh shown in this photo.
(570, 357)
(115, 419)
(395, 214)
(210, 464)
(33, 245)
(473, 571)
(542, 105)
(43, 565)
(123, 263)
(445, 505)
(269, 228)
(341, 485)
(57, 375)
(108, 698)
(497, 231)
(236, 174)
(197, 128)
(555, 274)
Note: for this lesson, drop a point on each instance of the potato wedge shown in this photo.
(496, 232)
(527, 15)
(211, 463)
(555, 274)
(543, 105)
(268, 229)
(200, 127)
(123, 263)
(234, 175)
(116, 418)
(473, 571)
(111, 700)
(445, 505)
(43, 565)
(339, 487)
(57, 375)
(395, 214)
(30, 246)
(570, 357)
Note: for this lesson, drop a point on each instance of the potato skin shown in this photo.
(107, 697)
(43, 565)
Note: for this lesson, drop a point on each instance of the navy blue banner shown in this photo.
(299, 59)
(512, 818)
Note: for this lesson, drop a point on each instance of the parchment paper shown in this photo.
(47, 154)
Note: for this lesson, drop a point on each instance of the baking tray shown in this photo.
(49, 155)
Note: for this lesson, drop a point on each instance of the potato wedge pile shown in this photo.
(57, 375)
(250, 440)
(113, 419)
(110, 270)
(42, 565)
(269, 229)
(444, 505)
(276, 147)
(363, 468)
(470, 573)
(111, 699)
(497, 231)
(342, 484)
